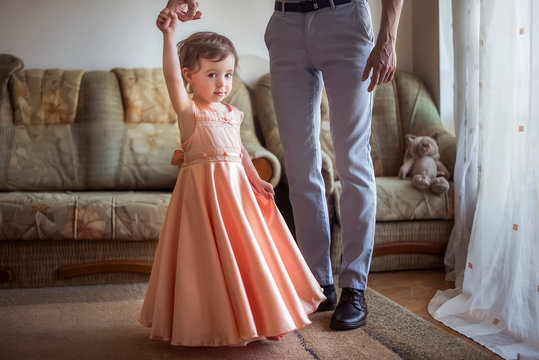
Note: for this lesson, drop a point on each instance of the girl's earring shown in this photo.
(189, 88)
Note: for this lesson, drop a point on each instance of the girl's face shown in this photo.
(213, 80)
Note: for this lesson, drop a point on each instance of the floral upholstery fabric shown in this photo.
(125, 216)
(44, 109)
(146, 156)
(45, 97)
(99, 130)
(398, 200)
(42, 158)
(152, 131)
(145, 96)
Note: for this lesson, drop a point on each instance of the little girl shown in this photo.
(226, 270)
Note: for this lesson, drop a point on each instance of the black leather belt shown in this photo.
(307, 6)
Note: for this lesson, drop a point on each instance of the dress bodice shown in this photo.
(216, 137)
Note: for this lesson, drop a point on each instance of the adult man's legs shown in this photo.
(342, 42)
(341, 52)
(296, 90)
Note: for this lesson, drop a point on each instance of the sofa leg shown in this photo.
(5, 274)
(104, 266)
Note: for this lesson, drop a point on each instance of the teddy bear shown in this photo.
(422, 164)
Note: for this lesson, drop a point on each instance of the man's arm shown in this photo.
(383, 58)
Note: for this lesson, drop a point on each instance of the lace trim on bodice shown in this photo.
(210, 118)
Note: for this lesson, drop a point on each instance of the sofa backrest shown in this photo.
(69, 131)
(94, 130)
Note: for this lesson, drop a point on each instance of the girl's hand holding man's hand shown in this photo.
(182, 10)
(167, 21)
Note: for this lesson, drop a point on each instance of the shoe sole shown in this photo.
(326, 308)
(347, 326)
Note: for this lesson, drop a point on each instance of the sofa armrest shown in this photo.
(266, 118)
(8, 65)
(265, 162)
(447, 144)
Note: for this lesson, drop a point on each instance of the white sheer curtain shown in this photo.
(493, 252)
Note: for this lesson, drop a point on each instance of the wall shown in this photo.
(405, 35)
(102, 34)
(426, 45)
(446, 65)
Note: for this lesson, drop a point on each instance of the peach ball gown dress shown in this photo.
(226, 271)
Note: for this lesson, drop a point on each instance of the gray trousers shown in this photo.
(328, 47)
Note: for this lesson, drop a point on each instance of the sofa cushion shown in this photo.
(145, 96)
(45, 97)
(146, 155)
(125, 216)
(152, 132)
(398, 200)
(43, 153)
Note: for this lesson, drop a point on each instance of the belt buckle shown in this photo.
(307, 6)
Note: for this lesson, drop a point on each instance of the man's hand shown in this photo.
(383, 62)
(383, 58)
(185, 9)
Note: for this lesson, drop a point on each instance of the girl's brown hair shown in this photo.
(205, 45)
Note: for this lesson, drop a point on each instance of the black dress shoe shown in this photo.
(351, 312)
(331, 299)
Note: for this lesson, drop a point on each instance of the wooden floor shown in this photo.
(413, 290)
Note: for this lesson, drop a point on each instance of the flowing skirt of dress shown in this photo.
(226, 270)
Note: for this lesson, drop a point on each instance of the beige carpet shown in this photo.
(99, 322)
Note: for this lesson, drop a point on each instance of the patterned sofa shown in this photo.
(412, 226)
(85, 174)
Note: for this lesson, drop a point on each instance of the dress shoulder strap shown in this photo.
(196, 111)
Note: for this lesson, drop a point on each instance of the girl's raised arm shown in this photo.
(182, 103)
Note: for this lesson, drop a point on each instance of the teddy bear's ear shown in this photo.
(410, 138)
(435, 136)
